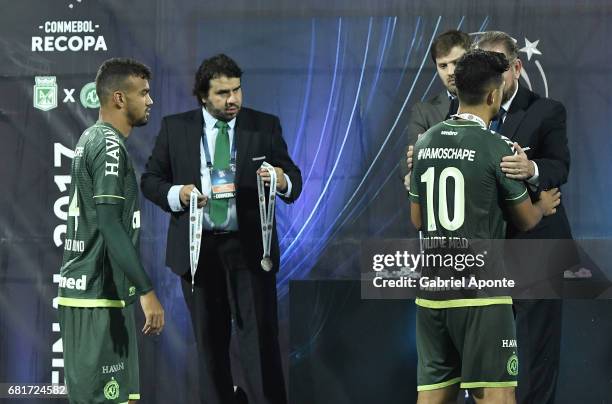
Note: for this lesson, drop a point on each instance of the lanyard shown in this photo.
(196, 216)
(207, 151)
(470, 117)
(267, 215)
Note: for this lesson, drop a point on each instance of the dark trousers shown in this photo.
(538, 333)
(226, 287)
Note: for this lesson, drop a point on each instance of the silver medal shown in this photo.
(266, 264)
(266, 215)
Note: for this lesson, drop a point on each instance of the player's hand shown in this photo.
(407, 181)
(518, 167)
(549, 200)
(409, 155)
(185, 196)
(281, 181)
(154, 313)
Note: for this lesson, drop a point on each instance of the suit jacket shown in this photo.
(539, 123)
(423, 116)
(176, 160)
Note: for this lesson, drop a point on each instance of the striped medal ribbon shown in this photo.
(266, 215)
(196, 217)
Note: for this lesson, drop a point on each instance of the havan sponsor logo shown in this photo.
(116, 367)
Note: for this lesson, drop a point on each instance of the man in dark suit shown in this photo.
(445, 51)
(538, 124)
(230, 286)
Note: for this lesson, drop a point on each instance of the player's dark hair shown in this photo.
(113, 73)
(446, 41)
(212, 68)
(476, 73)
(493, 38)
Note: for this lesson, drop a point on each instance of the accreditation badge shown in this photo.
(222, 183)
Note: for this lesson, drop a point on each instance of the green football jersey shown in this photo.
(458, 182)
(101, 172)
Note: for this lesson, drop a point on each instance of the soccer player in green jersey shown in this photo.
(101, 274)
(458, 190)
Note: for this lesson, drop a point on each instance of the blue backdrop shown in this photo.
(342, 76)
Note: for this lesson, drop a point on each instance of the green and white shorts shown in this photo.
(474, 346)
(100, 354)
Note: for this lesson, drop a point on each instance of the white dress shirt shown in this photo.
(231, 223)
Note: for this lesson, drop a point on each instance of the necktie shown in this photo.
(218, 207)
(498, 120)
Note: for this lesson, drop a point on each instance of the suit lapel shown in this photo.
(242, 137)
(193, 130)
(516, 114)
(442, 105)
(510, 126)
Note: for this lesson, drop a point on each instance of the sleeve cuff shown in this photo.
(535, 180)
(146, 289)
(287, 193)
(515, 200)
(174, 200)
(109, 199)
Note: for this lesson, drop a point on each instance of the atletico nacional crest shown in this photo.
(45, 93)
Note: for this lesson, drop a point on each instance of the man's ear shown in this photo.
(517, 67)
(118, 99)
(492, 96)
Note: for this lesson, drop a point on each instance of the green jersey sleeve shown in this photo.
(108, 170)
(414, 186)
(512, 191)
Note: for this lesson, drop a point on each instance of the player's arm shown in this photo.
(120, 247)
(526, 215)
(107, 161)
(415, 204)
(124, 255)
(415, 215)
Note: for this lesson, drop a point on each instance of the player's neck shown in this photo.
(480, 111)
(116, 120)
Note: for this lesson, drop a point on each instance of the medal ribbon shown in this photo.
(196, 217)
(471, 117)
(266, 215)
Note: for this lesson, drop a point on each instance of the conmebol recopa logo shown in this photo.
(74, 36)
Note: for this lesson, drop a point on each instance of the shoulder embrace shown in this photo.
(501, 142)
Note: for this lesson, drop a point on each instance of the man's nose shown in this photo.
(232, 98)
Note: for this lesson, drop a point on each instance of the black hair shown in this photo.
(113, 73)
(212, 68)
(446, 41)
(477, 72)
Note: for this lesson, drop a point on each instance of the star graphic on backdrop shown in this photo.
(531, 48)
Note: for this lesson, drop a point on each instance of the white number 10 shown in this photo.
(459, 208)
